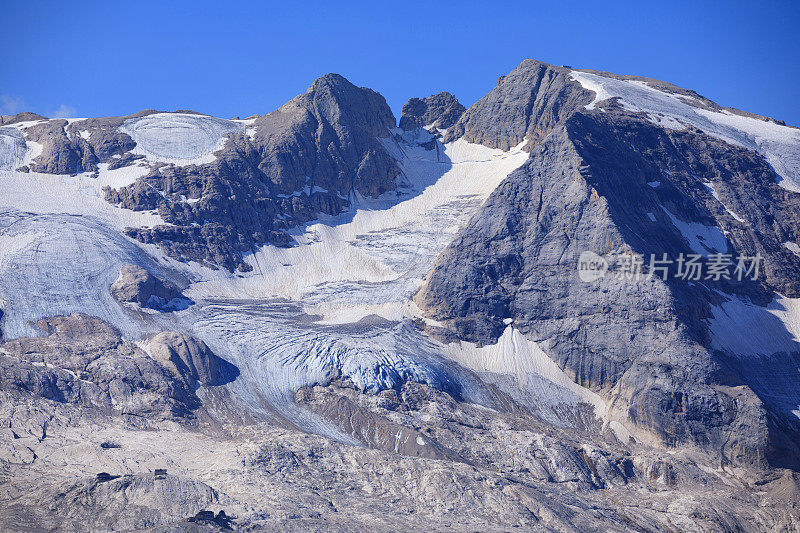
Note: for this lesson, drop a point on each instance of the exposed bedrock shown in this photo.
(188, 357)
(439, 110)
(136, 285)
(300, 161)
(612, 182)
(83, 360)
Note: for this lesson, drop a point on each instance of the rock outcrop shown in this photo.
(136, 285)
(83, 360)
(187, 357)
(439, 110)
(526, 104)
(611, 182)
(79, 146)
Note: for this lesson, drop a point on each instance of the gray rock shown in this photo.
(303, 159)
(79, 146)
(526, 104)
(187, 357)
(20, 117)
(646, 344)
(136, 285)
(83, 360)
(440, 110)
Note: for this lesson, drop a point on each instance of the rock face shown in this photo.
(83, 360)
(526, 104)
(186, 356)
(440, 110)
(610, 181)
(137, 285)
(71, 148)
(301, 160)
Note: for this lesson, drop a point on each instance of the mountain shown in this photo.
(483, 318)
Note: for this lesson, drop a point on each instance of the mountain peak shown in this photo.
(442, 110)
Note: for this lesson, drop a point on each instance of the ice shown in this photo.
(52, 264)
(279, 349)
(702, 239)
(56, 194)
(179, 138)
(12, 148)
(779, 144)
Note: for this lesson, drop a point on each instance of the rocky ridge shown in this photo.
(610, 181)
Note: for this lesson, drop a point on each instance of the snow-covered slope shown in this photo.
(345, 290)
(779, 144)
(179, 138)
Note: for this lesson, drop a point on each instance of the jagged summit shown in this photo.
(525, 105)
(440, 110)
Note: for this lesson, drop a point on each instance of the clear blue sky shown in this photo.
(89, 58)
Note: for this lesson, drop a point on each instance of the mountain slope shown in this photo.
(608, 178)
(316, 319)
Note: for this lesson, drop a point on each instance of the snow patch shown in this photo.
(702, 239)
(742, 328)
(524, 359)
(793, 247)
(715, 194)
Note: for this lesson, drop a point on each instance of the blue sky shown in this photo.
(238, 58)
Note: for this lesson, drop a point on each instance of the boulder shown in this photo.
(136, 285)
(187, 357)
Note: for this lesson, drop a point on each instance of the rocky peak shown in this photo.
(328, 137)
(442, 110)
(20, 117)
(525, 104)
